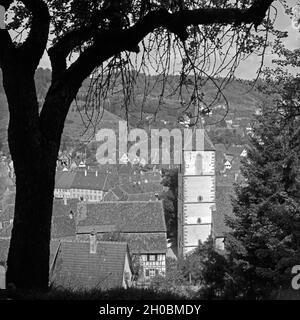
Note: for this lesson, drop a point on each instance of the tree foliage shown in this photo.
(264, 243)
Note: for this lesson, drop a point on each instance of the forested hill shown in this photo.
(242, 99)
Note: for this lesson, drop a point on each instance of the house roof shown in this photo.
(64, 179)
(83, 179)
(150, 196)
(208, 145)
(220, 147)
(142, 216)
(60, 209)
(235, 150)
(110, 196)
(75, 267)
(89, 180)
(63, 227)
(223, 209)
(131, 188)
(140, 243)
(119, 193)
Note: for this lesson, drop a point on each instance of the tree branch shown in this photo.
(32, 49)
(35, 44)
(109, 43)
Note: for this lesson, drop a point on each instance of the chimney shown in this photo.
(65, 200)
(93, 243)
(96, 173)
(71, 215)
(156, 196)
(85, 173)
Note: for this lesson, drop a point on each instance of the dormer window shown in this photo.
(200, 198)
(199, 220)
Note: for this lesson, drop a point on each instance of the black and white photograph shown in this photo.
(149, 152)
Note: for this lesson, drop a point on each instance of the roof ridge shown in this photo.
(124, 201)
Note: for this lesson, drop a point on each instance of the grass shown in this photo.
(92, 295)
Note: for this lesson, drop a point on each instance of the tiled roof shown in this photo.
(235, 150)
(63, 227)
(140, 243)
(223, 209)
(63, 218)
(155, 187)
(142, 197)
(75, 267)
(220, 147)
(64, 179)
(82, 179)
(110, 196)
(131, 188)
(62, 209)
(119, 193)
(143, 216)
(208, 145)
(141, 186)
(89, 180)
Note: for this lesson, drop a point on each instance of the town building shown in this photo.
(85, 185)
(140, 223)
(82, 265)
(86, 265)
(196, 194)
(222, 212)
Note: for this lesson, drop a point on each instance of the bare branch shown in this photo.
(176, 23)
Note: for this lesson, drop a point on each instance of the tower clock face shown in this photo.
(199, 163)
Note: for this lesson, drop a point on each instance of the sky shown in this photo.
(248, 68)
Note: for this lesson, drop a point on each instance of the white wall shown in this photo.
(203, 186)
(193, 160)
(192, 212)
(194, 233)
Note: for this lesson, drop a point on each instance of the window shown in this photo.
(147, 273)
(152, 272)
(152, 257)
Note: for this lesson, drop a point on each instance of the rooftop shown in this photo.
(75, 267)
(125, 216)
(223, 209)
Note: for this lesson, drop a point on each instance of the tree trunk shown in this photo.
(34, 153)
(28, 260)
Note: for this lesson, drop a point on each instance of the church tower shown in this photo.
(196, 192)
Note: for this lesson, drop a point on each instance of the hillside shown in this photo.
(242, 104)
